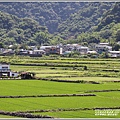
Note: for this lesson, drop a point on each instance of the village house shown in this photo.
(104, 44)
(23, 52)
(60, 49)
(33, 47)
(92, 52)
(52, 49)
(2, 50)
(103, 47)
(70, 47)
(114, 54)
(76, 47)
(5, 71)
(36, 53)
(39, 52)
(82, 50)
(5, 52)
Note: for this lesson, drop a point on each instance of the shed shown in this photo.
(27, 75)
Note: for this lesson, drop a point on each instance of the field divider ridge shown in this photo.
(69, 109)
(50, 95)
(69, 81)
(24, 115)
(112, 90)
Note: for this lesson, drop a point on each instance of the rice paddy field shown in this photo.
(63, 88)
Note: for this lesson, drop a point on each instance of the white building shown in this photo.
(114, 54)
(103, 47)
(104, 44)
(2, 50)
(83, 50)
(38, 52)
(5, 71)
(91, 52)
(76, 47)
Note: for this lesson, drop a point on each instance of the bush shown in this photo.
(85, 67)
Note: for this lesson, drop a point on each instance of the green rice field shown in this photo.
(57, 77)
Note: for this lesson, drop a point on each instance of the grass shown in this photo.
(36, 87)
(99, 79)
(56, 72)
(78, 114)
(51, 75)
(23, 104)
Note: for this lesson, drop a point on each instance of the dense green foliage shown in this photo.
(112, 15)
(85, 19)
(48, 14)
(107, 30)
(110, 33)
(24, 31)
(78, 22)
(16, 30)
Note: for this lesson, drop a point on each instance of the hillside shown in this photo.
(109, 26)
(71, 22)
(66, 17)
(107, 30)
(21, 30)
(111, 16)
(49, 14)
(84, 20)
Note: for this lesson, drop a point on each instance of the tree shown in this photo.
(15, 47)
(116, 47)
(85, 67)
(104, 55)
(12, 33)
(105, 34)
(24, 46)
(1, 45)
(118, 35)
(41, 37)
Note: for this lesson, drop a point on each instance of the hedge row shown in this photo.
(112, 81)
(101, 91)
(24, 115)
(110, 70)
(69, 109)
(61, 62)
(50, 95)
(50, 77)
(115, 81)
(48, 64)
(69, 81)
